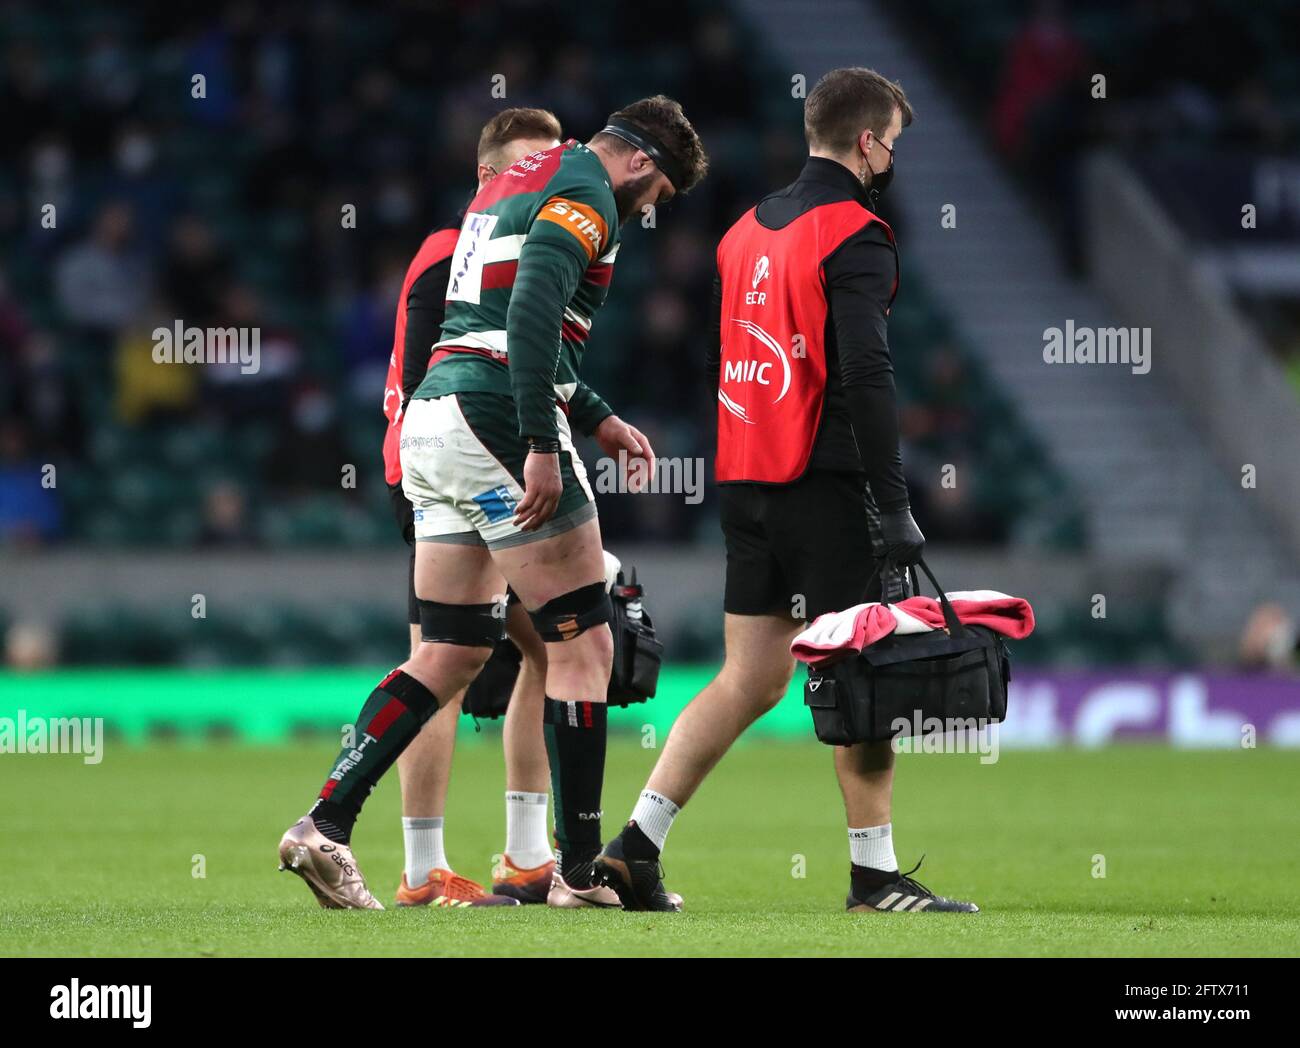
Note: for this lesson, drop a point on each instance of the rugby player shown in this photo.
(809, 467)
(425, 767)
(500, 495)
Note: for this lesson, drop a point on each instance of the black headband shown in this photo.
(650, 146)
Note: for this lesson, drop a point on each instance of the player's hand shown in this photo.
(542, 490)
(614, 435)
(903, 541)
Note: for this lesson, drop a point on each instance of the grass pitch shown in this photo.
(1201, 856)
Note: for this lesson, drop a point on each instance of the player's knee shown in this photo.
(600, 646)
(767, 699)
(447, 663)
(589, 657)
(530, 645)
(455, 666)
(572, 615)
(464, 625)
(760, 690)
(533, 667)
(457, 640)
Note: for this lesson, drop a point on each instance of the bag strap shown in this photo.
(866, 586)
(955, 628)
(885, 562)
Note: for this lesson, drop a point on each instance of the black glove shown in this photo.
(903, 541)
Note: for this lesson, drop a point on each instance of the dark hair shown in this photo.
(847, 102)
(663, 118)
(510, 125)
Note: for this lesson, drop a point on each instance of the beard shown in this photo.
(626, 196)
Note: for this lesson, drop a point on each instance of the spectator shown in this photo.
(30, 646)
(196, 270)
(29, 508)
(103, 282)
(1044, 56)
(225, 515)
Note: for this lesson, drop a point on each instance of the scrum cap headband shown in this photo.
(650, 146)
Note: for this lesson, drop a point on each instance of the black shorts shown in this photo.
(798, 549)
(404, 513)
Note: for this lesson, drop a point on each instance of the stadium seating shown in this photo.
(186, 464)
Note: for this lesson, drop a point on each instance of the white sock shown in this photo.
(526, 841)
(873, 846)
(424, 851)
(654, 814)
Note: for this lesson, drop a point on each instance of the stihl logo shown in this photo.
(581, 220)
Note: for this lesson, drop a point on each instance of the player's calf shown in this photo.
(579, 653)
(318, 847)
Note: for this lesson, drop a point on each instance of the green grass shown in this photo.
(1201, 849)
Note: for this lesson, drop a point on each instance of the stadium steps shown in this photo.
(1151, 489)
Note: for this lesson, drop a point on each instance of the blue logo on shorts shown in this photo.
(497, 504)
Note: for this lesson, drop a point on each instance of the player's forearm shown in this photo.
(873, 410)
(544, 283)
(587, 410)
(861, 282)
(425, 311)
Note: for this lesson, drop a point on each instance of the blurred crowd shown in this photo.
(1200, 97)
(274, 166)
(1209, 71)
(129, 204)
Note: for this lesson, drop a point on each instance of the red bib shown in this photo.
(772, 380)
(437, 247)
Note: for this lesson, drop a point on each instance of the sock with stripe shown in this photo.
(871, 849)
(390, 719)
(575, 744)
(424, 849)
(647, 830)
(527, 842)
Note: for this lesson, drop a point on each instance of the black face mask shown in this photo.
(879, 180)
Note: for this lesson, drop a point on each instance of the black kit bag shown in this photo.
(913, 684)
(634, 677)
(638, 654)
(489, 695)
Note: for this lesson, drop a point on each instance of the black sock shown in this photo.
(636, 845)
(334, 821)
(867, 879)
(390, 719)
(575, 743)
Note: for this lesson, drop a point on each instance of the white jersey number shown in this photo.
(467, 260)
